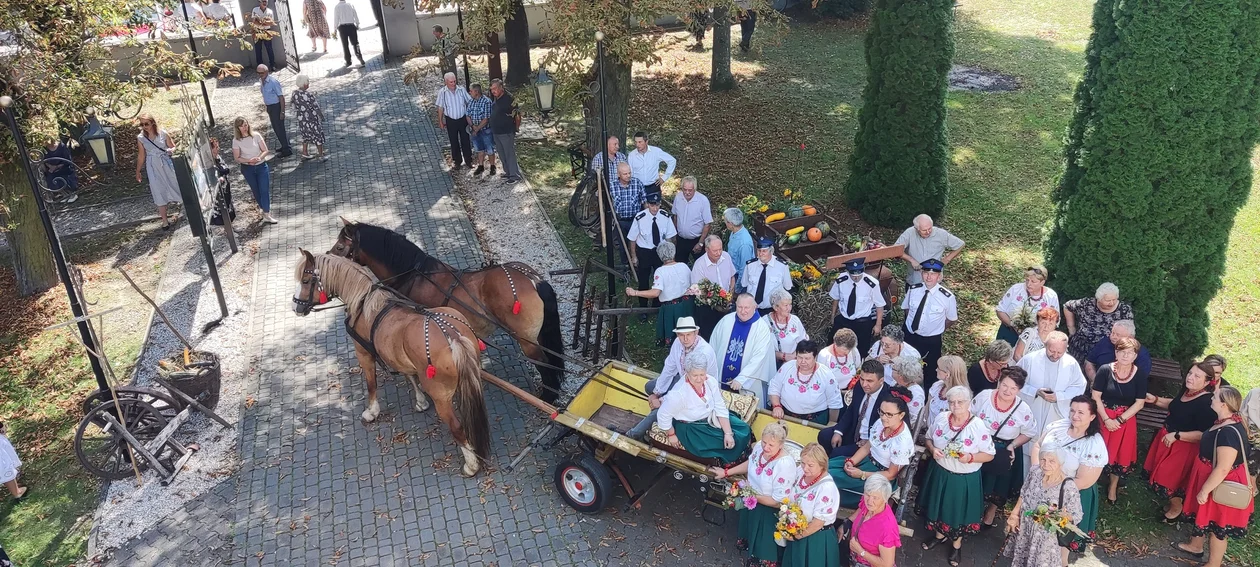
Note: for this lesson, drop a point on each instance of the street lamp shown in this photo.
(100, 140)
(544, 92)
(59, 256)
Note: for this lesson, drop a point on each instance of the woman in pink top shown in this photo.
(875, 536)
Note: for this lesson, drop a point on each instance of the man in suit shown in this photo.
(854, 427)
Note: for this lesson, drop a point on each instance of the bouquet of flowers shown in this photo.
(953, 449)
(1024, 319)
(741, 496)
(792, 523)
(711, 295)
(752, 204)
(1054, 520)
(809, 277)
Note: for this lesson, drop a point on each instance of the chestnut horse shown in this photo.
(510, 295)
(409, 339)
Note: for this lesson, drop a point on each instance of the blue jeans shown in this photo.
(259, 179)
(483, 141)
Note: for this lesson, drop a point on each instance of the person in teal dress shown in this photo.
(891, 447)
(769, 471)
(695, 417)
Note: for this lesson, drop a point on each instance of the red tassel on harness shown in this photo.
(430, 372)
(481, 344)
(516, 307)
(323, 297)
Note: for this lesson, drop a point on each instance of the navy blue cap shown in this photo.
(855, 265)
(764, 242)
(932, 265)
(654, 198)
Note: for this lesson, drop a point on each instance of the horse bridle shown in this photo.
(314, 286)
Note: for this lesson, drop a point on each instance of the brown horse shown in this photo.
(437, 343)
(510, 295)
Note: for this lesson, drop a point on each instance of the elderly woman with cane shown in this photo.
(770, 471)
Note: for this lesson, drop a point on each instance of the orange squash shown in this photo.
(814, 235)
(810, 210)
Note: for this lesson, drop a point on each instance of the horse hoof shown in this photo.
(469, 471)
(368, 417)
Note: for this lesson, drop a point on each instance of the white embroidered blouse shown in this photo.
(1090, 451)
(974, 438)
(818, 501)
(772, 478)
(686, 404)
(895, 450)
(806, 394)
(1019, 420)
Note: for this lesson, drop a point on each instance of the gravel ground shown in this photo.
(187, 297)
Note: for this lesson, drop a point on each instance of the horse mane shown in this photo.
(398, 254)
(351, 282)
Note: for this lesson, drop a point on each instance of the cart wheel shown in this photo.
(165, 404)
(101, 448)
(584, 483)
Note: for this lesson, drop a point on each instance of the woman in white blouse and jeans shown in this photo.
(695, 417)
(250, 151)
(770, 472)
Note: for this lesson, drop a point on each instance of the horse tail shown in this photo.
(551, 338)
(469, 400)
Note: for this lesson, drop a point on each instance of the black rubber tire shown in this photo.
(584, 204)
(584, 483)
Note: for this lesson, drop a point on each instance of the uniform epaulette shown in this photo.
(871, 281)
(946, 292)
(916, 286)
(750, 261)
(663, 213)
(640, 215)
(843, 278)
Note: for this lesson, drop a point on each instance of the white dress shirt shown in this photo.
(806, 394)
(673, 281)
(777, 277)
(260, 14)
(646, 166)
(974, 438)
(720, 273)
(691, 216)
(641, 228)
(673, 365)
(773, 478)
(868, 296)
(217, 12)
(685, 403)
(864, 420)
(941, 306)
(344, 13)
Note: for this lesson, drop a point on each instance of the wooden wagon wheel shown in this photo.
(166, 405)
(101, 448)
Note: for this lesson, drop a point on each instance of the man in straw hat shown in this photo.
(689, 341)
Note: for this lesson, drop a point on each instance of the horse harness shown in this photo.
(443, 321)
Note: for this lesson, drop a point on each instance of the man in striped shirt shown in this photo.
(452, 106)
(482, 136)
(614, 144)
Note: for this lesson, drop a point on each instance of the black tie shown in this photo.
(852, 306)
(656, 233)
(761, 284)
(918, 313)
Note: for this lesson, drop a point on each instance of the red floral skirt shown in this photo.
(1168, 468)
(1210, 517)
(1121, 444)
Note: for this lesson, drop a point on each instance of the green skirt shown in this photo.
(667, 317)
(1089, 519)
(704, 441)
(820, 417)
(819, 550)
(1000, 488)
(851, 488)
(756, 531)
(953, 503)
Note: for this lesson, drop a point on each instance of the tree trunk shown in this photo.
(33, 263)
(616, 101)
(720, 78)
(493, 51)
(516, 36)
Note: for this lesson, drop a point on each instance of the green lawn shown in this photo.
(1006, 150)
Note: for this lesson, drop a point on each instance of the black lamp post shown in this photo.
(63, 271)
(100, 141)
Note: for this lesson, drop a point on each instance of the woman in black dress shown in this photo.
(1120, 392)
(1176, 444)
(984, 375)
(1222, 454)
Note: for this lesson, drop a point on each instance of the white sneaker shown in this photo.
(267, 218)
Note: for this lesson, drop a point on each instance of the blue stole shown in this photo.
(733, 360)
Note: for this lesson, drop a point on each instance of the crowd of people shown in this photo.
(1045, 417)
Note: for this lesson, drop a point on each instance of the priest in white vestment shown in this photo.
(1054, 378)
(745, 350)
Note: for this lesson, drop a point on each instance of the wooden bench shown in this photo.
(1166, 377)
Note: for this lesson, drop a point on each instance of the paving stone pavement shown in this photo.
(319, 487)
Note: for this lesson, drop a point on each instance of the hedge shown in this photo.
(900, 155)
(1158, 161)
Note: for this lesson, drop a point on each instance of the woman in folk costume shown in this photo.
(816, 493)
(770, 470)
(1054, 378)
(695, 417)
(745, 349)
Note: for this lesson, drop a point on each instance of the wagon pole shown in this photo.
(187, 345)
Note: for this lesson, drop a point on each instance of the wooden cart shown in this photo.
(830, 250)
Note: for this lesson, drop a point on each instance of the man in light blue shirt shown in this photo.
(273, 97)
(739, 245)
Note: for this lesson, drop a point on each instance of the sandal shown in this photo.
(1199, 555)
(932, 543)
(955, 557)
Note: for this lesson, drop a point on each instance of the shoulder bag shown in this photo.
(1229, 493)
(1001, 463)
(1065, 537)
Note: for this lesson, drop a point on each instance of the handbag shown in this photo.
(1229, 493)
(1065, 537)
(1001, 463)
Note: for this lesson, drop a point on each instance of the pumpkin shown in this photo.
(823, 227)
(809, 210)
(776, 217)
(814, 235)
(796, 212)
